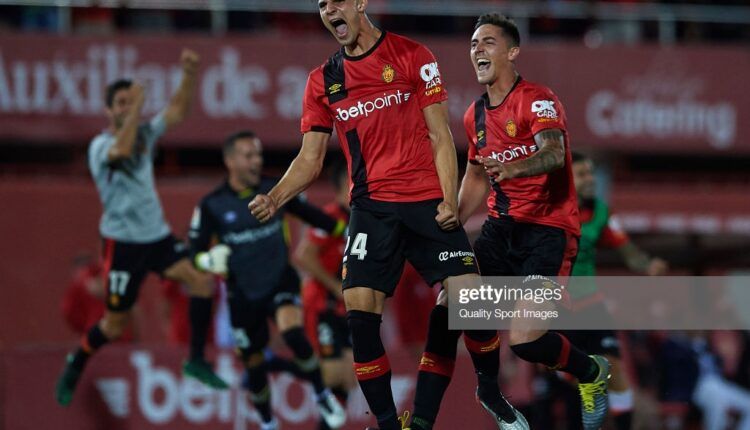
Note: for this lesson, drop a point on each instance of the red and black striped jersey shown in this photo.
(375, 101)
(506, 133)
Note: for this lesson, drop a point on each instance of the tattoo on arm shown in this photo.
(549, 157)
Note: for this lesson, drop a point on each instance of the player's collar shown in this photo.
(369, 51)
(486, 95)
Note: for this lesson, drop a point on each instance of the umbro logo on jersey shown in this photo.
(370, 106)
(333, 89)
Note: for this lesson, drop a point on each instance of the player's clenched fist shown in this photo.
(262, 207)
(447, 217)
(496, 169)
(190, 60)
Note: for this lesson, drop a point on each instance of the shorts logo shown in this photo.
(510, 128)
(446, 255)
(388, 74)
(544, 109)
(468, 261)
(333, 89)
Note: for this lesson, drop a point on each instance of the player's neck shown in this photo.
(498, 90)
(237, 185)
(367, 38)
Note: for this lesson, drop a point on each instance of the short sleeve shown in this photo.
(471, 134)
(99, 150)
(613, 236)
(315, 113)
(544, 111)
(426, 78)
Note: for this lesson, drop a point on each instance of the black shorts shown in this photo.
(126, 264)
(249, 317)
(509, 248)
(382, 235)
(332, 335)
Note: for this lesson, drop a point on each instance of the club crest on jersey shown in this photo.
(388, 74)
(510, 128)
(333, 89)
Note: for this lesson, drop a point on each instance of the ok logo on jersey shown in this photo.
(544, 109)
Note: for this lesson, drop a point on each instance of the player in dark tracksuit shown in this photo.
(261, 283)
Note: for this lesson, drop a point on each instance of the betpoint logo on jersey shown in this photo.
(544, 109)
(430, 74)
(513, 152)
(370, 106)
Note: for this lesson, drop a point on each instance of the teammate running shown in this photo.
(518, 138)
(261, 283)
(386, 97)
(320, 254)
(136, 237)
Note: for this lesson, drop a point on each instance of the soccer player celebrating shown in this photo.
(261, 283)
(598, 229)
(320, 254)
(518, 148)
(137, 239)
(385, 95)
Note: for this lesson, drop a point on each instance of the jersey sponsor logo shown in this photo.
(430, 74)
(511, 129)
(544, 109)
(252, 234)
(370, 106)
(514, 152)
(388, 74)
(447, 255)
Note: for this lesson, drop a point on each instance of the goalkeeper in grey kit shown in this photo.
(254, 259)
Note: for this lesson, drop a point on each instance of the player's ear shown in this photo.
(513, 53)
(361, 5)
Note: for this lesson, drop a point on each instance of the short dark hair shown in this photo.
(510, 30)
(114, 87)
(234, 137)
(578, 157)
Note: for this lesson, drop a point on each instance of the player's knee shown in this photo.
(114, 324)
(288, 317)
(518, 337)
(364, 299)
(200, 284)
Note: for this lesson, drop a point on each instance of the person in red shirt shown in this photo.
(385, 96)
(320, 254)
(519, 150)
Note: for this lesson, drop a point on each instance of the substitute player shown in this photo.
(136, 237)
(261, 284)
(320, 254)
(518, 148)
(600, 230)
(385, 95)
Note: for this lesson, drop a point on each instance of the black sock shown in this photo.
(92, 341)
(435, 369)
(555, 351)
(260, 391)
(623, 420)
(372, 368)
(306, 360)
(200, 321)
(484, 348)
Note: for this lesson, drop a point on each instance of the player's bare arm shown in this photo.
(473, 192)
(179, 105)
(301, 173)
(307, 257)
(639, 261)
(549, 157)
(444, 153)
(125, 137)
